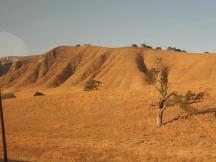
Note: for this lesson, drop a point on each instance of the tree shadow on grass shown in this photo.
(207, 111)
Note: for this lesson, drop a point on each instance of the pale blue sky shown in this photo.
(44, 24)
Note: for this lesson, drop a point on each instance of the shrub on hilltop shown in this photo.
(134, 45)
(175, 49)
(145, 46)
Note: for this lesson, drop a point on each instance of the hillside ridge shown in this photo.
(116, 68)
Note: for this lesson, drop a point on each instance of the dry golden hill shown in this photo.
(116, 68)
(115, 123)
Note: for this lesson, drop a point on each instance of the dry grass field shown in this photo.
(114, 123)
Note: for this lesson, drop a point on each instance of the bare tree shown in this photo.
(159, 78)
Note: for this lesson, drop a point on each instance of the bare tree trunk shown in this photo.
(160, 117)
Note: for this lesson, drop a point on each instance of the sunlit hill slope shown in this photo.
(116, 68)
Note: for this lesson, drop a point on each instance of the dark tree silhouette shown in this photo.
(145, 46)
(158, 48)
(175, 49)
(92, 85)
(134, 45)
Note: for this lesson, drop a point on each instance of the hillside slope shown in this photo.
(114, 124)
(116, 68)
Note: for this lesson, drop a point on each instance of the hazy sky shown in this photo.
(39, 25)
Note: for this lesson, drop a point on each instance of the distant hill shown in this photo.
(116, 68)
(9, 59)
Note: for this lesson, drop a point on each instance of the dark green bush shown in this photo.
(92, 85)
(145, 46)
(39, 94)
(175, 49)
(134, 45)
